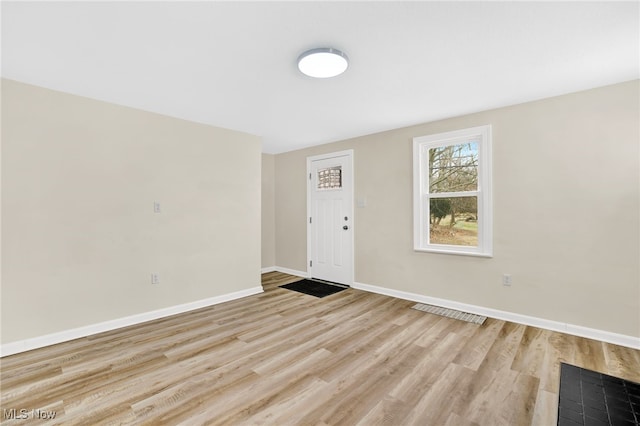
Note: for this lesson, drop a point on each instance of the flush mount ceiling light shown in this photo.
(323, 62)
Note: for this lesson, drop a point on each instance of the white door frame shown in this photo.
(346, 153)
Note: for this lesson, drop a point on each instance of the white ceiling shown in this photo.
(233, 64)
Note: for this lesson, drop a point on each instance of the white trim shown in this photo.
(576, 330)
(303, 274)
(88, 330)
(457, 252)
(346, 153)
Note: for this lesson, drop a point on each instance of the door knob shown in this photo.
(345, 227)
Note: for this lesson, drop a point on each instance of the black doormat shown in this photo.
(591, 398)
(314, 288)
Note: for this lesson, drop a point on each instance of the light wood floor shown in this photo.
(286, 358)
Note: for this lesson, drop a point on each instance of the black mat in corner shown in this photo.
(591, 398)
(314, 288)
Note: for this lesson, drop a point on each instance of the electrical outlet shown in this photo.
(506, 280)
(155, 278)
(156, 207)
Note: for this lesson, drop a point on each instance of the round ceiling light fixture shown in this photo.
(323, 62)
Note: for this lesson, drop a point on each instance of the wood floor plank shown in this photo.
(476, 348)
(531, 351)
(286, 358)
(366, 386)
(427, 370)
(546, 408)
(504, 347)
(389, 411)
(294, 405)
(446, 390)
(621, 361)
(522, 400)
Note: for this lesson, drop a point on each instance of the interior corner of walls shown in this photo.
(303, 274)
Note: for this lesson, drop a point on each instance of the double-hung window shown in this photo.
(452, 192)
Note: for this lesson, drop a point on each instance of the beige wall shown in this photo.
(268, 211)
(79, 235)
(566, 212)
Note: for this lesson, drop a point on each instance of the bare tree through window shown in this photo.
(453, 170)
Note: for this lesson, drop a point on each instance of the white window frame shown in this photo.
(421, 195)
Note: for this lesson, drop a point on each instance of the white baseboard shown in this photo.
(302, 274)
(576, 330)
(64, 336)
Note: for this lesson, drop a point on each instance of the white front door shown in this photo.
(330, 217)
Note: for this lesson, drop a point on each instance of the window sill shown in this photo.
(455, 252)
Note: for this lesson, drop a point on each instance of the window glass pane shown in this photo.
(453, 221)
(453, 168)
(330, 178)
